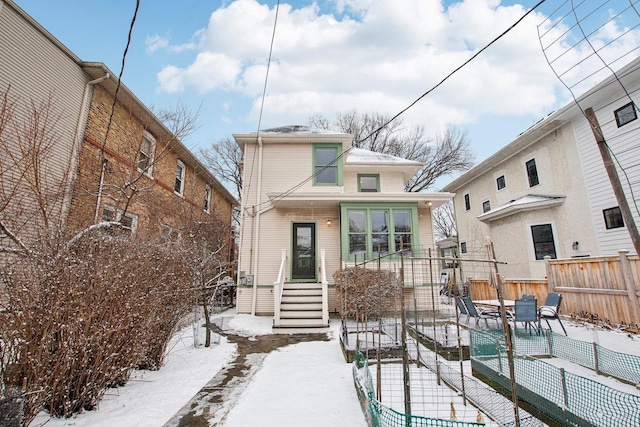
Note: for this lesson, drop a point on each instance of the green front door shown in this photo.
(303, 266)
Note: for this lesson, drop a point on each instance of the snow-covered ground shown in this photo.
(303, 384)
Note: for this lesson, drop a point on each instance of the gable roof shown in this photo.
(360, 156)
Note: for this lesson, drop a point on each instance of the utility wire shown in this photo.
(264, 92)
(115, 95)
(474, 56)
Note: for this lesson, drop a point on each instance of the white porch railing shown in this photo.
(325, 287)
(278, 287)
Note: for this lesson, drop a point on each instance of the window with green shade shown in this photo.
(327, 167)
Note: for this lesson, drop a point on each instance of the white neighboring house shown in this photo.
(548, 193)
(311, 204)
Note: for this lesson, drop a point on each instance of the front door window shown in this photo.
(304, 252)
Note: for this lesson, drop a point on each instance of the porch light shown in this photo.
(328, 223)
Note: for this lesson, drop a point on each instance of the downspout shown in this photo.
(72, 173)
(243, 202)
(104, 161)
(256, 236)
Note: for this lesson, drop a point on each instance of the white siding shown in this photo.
(33, 68)
(623, 143)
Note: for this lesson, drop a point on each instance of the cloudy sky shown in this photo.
(329, 56)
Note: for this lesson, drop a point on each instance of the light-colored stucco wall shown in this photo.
(559, 173)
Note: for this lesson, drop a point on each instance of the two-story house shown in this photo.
(547, 192)
(310, 203)
(59, 160)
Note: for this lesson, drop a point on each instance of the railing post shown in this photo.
(278, 286)
(627, 277)
(325, 288)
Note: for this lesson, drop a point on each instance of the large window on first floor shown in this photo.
(543, 243)
(371, 230)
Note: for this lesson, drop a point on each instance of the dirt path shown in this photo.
(212, 403)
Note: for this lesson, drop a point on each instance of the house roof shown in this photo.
(548, 124)
(312, 200)
(360, 156)
(523, 204)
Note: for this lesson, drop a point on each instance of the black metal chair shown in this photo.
(479, 314)
(551, 310)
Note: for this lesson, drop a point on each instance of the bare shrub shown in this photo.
(363, 293)
(78, 322)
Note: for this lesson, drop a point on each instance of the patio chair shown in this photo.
(551, 310)
(462, 308)
(526, 312)
(526, 297)
(480, 314)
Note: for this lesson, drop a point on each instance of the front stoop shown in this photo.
(301, 309)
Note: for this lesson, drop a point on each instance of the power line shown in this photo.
(474, 56)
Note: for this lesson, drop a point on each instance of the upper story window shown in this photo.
(543, 243)
(463, 247)
(369, 183)
(500, 182)
(625, 114)
(467, 202)
(178, 185)
(145, 155)
(327, 167)
(486, 206)
(206, 204)
(532, 173)
(613, 218)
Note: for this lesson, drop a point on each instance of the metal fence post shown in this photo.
(595, 358)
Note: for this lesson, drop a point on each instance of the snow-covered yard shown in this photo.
(303, 384)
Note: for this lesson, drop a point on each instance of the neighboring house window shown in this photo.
(145, 155)
(129, 221)
(372, 231)
(613, 218)
(178, 186)
(543, 243)
(532, 173)
(327, 167)
(467, 202)
(463, 247)
(625, 114)
(369, 183)
(500, 181)
(486, 206)
(206, 204)
(170, 234)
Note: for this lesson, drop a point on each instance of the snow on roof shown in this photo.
(299, 130)
(525, 203)
(360, 155)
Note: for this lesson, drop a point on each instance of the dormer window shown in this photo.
(369, 183)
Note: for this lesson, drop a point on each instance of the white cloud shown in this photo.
(155, 42)
(378, 56)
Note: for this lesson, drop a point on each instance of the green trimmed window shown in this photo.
(327, 167)
(371, 229)
(369, 183)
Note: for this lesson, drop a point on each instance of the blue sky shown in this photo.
(334, 56)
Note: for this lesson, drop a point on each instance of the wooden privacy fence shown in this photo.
(603, 289)
(608, 287)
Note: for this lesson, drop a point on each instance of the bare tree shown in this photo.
(446, 153)
(444, 221)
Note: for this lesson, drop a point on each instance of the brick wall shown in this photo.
(152, 200)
